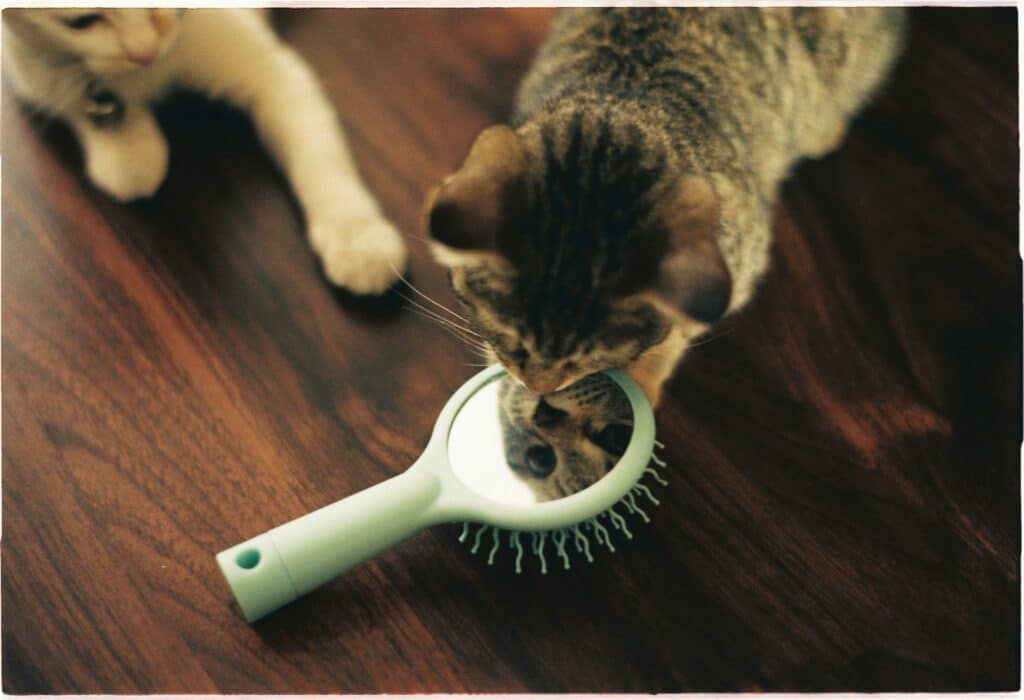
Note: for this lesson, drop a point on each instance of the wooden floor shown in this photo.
(844, 503)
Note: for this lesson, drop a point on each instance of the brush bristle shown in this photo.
(578, 534)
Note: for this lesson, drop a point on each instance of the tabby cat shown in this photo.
(101, 69)
(627, 206)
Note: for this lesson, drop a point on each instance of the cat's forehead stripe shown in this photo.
(591, 187)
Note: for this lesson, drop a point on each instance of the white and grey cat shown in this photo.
(101, 70)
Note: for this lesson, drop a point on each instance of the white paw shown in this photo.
(364, 257)
(128, 169)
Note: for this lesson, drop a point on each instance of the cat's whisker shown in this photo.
(438, 317)
(473, 343)
(484, 353)
(708, 339)
(411, 286)
(450, 329)
(476, 351)
(657, 351)
(471, 340)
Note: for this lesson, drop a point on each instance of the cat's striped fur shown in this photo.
(628, 204)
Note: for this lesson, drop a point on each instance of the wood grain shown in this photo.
(844, 506)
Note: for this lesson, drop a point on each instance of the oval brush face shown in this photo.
(524, 454)
(514, 446)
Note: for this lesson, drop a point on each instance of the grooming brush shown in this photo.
(446, 485)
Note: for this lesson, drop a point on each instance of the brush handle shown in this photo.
(291, 560)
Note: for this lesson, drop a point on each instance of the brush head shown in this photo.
(579, 453)
(489, 442)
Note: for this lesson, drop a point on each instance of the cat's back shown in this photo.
(649, 37)
(710, 50)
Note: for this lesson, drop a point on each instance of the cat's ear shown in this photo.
(692, 276)
(470, 208)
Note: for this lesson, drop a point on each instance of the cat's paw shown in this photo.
(365, 258)
(128, 169)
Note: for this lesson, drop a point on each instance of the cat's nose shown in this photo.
(140, 42)
(144, 55)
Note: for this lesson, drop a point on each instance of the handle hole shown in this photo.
(248, 558)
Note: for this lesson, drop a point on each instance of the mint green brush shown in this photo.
(462, 475)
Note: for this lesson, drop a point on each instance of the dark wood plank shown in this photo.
(844, 509)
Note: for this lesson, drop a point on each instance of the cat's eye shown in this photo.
(541, 460)
(83, 21)
(614, 438)
(547, 416)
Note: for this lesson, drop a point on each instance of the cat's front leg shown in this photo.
(360, 249)
(127, 160)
